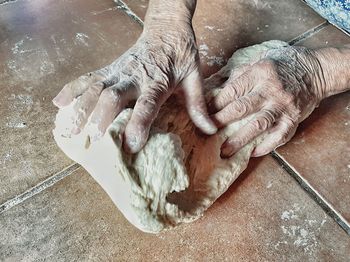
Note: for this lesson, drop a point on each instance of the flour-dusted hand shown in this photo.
(164, 57)
(281, 90)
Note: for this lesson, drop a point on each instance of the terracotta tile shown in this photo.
(224, 26)
(265, 216)
(327, 37)
(43, 45)
(139, 7)
(320, 151)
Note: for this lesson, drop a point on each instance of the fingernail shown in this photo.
(94, 132)
(57, 100)
(204, 122)
(76, 130)
(211, 128)
(132, 144)
(227, 150)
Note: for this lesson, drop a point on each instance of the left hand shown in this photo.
(282, 89)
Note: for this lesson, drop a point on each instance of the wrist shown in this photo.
(334, 66)
(169, 15)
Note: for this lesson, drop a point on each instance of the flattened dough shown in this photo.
(178, 174)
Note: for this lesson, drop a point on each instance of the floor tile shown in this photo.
(224, 26)
(139, 7)
(265, 216)
(320, 150)
(43, 45)
(330, 36)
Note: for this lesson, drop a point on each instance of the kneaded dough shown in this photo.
(179, 172)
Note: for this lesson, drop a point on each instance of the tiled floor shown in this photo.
(223, 26)
(266, 215)
(43, 45)
(320, 151)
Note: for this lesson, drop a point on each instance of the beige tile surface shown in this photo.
(43, 45)
(223, 26)
(265, 216)
(320, 151)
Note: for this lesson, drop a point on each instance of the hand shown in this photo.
(163, 59)
(281, 90)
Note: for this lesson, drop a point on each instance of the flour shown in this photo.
(178, 174)
(82, 39)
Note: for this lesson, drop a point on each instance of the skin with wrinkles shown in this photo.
(282, 87)
(176, 176)
(148, 73)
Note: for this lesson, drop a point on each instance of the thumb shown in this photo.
(145, 111)
(195, 102)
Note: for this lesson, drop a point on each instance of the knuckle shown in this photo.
(259, 124)
(146, 107)
(222, 97)
(85, 78)
(283, 137)
(95, 90)
(287, 98)
(263, 122)
(240, 107)
(111, 95)
(269, 115)
(223, 116)
(233, 89)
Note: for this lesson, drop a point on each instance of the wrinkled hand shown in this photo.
(148, 73)
(281, 90)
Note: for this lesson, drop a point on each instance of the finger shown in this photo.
(85, 105)
(278, 136)
(111, 102)
(227, 73)
(76, 88)
(261, 122)
(195, 103)
(145, 111)
(238, 109)
(232, 90)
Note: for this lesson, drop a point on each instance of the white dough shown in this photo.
(177, 175)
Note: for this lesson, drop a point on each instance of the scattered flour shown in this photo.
(7, 157)
(215, 60)
(20, 104)
(290, 214)
(29, 63)
(298, 232)
(82, 39)
(211, 60)
(16, 124)
(269, 185)
(203, 49)
(105, 10)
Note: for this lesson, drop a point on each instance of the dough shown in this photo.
(178, 174)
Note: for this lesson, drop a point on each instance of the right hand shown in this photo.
(164, 57)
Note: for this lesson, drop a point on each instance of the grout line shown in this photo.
(341, 29)
(320, 200)
(308, 33)
(4, 2)
(39, 187)
(124, 7)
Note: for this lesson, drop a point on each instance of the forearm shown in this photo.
(335, 64)
(170, 13)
